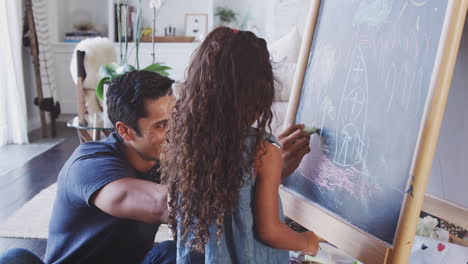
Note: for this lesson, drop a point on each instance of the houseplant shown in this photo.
(226, 15)
(111, 71)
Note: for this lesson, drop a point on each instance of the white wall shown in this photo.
(251, 15)
(65, 13)
(285, 14)
(449, 175)
(173, 13)
(270, 19)
(95, 10)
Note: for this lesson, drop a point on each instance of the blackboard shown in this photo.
(366, 86)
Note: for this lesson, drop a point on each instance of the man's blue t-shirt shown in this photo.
(79, 232)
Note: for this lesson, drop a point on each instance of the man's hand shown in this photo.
(295, 144)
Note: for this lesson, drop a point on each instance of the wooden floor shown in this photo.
(25, 182)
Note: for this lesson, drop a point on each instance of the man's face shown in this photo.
(153, 127)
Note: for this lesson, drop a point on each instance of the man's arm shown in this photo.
(135, 199)
(294, 144)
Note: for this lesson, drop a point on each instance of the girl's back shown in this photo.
(238, 243)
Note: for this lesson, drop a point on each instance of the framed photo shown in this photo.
(196, 25)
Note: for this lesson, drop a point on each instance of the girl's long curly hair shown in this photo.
(229, 86)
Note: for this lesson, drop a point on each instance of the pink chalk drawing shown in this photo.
(328, 176)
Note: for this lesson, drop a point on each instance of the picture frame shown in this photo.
(196, 25)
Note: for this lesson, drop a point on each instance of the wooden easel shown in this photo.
(37, 73)
(347, 237)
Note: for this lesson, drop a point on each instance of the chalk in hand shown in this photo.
(311, 130)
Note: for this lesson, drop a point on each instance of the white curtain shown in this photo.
(13, 115)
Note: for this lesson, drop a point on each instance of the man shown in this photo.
(109, 204)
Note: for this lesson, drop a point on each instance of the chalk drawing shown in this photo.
(417, 43)
(352, 146)
(403, 9)
(324, 67)
(418, 2)
(390, 83)
(357, 100)
(327, 176)
(409, 92)
(372, 12)
(405, 89)
(402, 85)
(417, 23)
(418, 83)
(352, 113)
(327, 110)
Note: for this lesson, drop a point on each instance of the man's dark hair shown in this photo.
(126, 95)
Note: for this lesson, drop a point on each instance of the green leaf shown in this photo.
(157, 68)
(163, 73)
(100, 87)
(108, 70)
(124, 69)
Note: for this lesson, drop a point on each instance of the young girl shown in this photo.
(223, 175)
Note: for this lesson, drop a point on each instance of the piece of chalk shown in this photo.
(311, 130)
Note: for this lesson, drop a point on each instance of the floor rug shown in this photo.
(32, 220)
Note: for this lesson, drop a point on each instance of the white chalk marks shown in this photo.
(405, 88)
(372, 12)
(352, 114)
(327, 110)
(324, 67)
(418, 2)
(390, 84)
(403, 9)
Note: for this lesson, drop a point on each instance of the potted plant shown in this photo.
(226, 16)
(111, 71)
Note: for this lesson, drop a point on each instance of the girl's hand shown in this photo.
(312, 243)
(295, 144)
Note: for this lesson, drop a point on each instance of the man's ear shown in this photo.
(126, 132)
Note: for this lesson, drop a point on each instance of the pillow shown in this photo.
(284, 73)
(286, 49)
(284, 53)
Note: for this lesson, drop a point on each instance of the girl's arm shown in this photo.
(269, 227)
